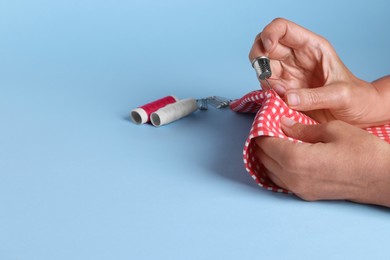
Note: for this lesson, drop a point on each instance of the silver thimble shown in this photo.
(262, 67)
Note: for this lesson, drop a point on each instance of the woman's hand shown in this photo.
(308, 73)
(337, 161)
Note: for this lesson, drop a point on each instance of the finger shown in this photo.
(276, 148)
(306, 133)
(278, 86)
(287, 33)
(272, 167)
(333, 96)
(280, 51)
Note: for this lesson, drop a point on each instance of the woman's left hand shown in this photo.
(336, 161)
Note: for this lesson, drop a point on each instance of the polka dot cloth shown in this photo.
(269, 109)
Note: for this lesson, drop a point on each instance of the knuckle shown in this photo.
(273, 26)
(300, 189)
(296, 164)
(279, 20)
(345, 94)
(324, 41)
(291, 162)
(308, 196)
(304, 190)
(329, 127)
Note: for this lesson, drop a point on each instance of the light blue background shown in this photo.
(78, 180)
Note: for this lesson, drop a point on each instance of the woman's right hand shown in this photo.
(309, 75)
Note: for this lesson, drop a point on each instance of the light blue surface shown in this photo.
(78, 180)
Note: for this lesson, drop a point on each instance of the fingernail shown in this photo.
(293, 99)
(279, 89)
(287, 121)
(267, 44)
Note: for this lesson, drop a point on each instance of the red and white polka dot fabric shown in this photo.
(269, 109)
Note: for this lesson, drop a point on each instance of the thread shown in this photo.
(173, 112)
(141, 115)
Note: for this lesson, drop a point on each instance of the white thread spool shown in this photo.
(173, 112)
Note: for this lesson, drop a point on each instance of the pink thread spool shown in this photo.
(141, 115)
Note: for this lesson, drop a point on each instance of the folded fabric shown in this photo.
(269, 109)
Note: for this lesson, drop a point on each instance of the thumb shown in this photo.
(305, 133)
(332, 96)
